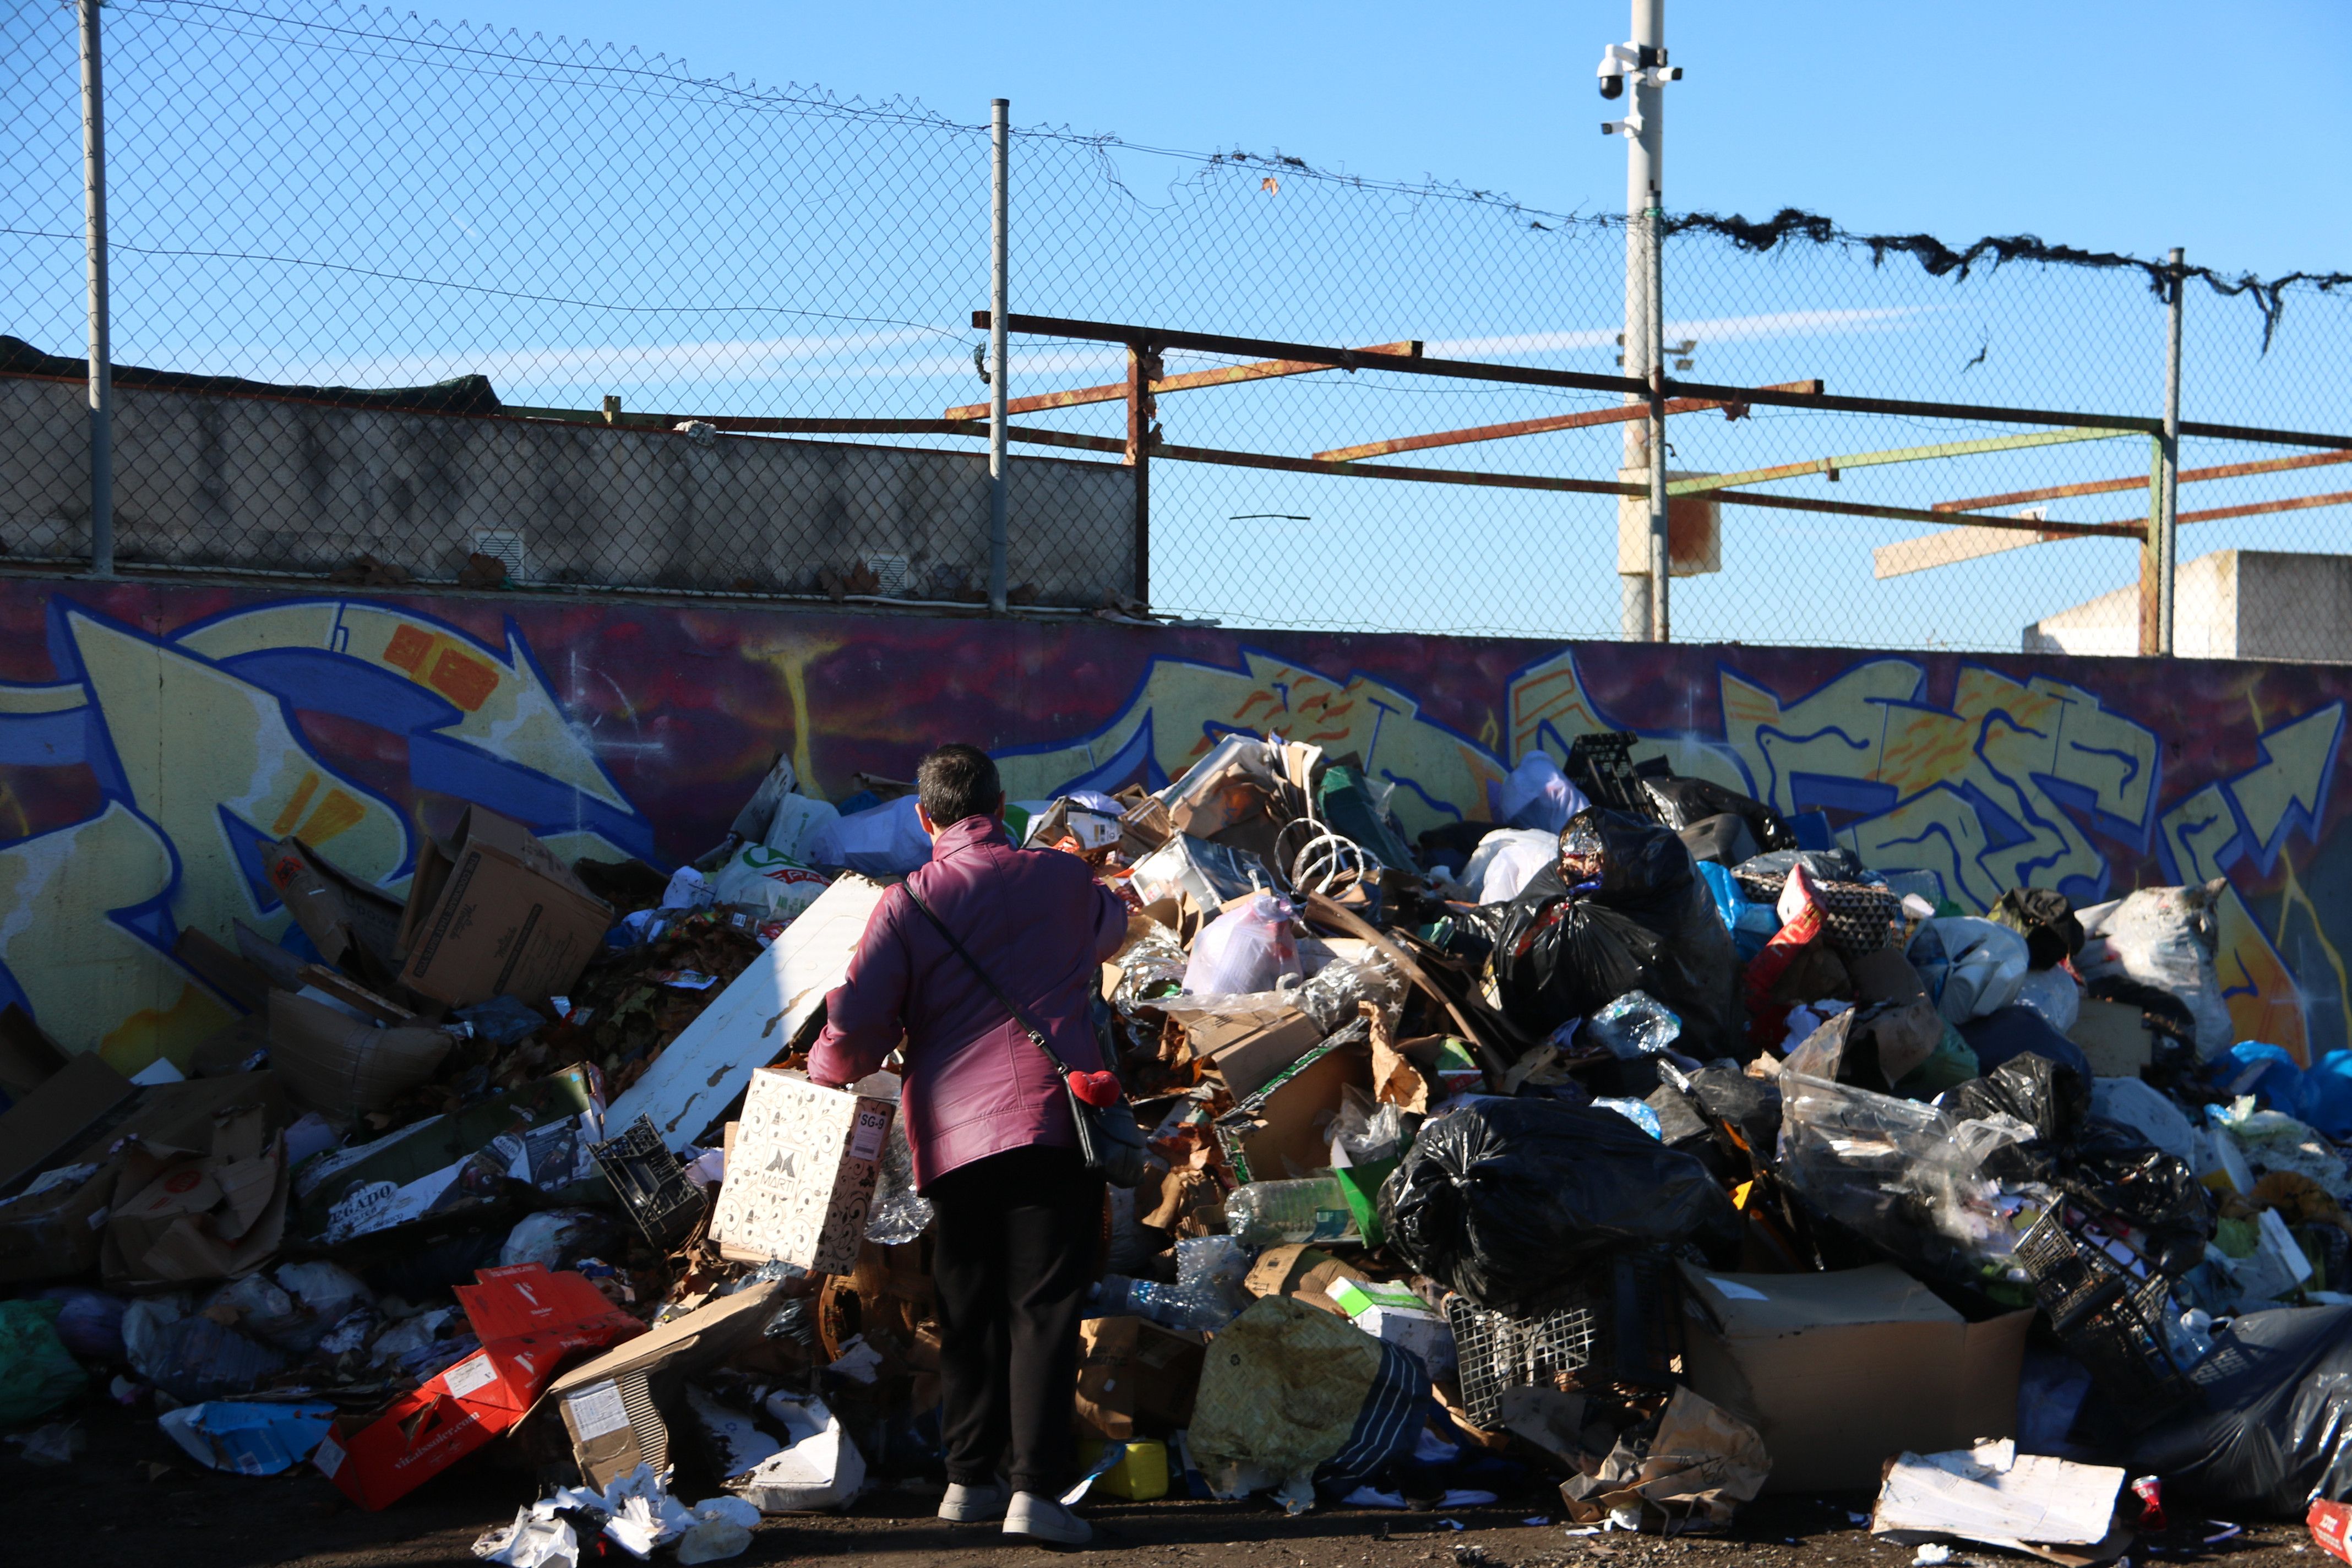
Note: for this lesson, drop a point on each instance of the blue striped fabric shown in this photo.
(1386, 1425)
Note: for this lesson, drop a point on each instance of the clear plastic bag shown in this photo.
(1506, 860)
(1635, 1025)
(2164, 937)
(1365, 1131)
(1249, 947)
(899, 1213)
(1535, 794)
(1989, 963)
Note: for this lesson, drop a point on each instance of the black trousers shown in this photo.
(1012, 1260)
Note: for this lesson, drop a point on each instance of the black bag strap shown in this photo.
(1020, 1014)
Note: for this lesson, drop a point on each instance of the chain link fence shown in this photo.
(720, 339)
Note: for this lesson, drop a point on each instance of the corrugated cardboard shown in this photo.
(2114, 1036)
(224, 969)
(343, 1066)
(1250, 1053)
(613, 1406)
(528, 1321)
(1282, 1131)
(1136, 1377)
(64, 1111)
(493, 912)
(1842, 1372)
(800, 1173)
(212, 1215)
(354, 925)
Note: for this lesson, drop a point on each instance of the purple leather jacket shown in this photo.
(1042, 926)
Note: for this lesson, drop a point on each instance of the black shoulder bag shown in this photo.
(1108, 1135)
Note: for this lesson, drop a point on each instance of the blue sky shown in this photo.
(2111, 124)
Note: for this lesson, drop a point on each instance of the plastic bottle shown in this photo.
(1171, 1306)
(1268, 1214)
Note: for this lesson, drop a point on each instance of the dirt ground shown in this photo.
(133, 1497)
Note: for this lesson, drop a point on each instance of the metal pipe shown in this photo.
(101, 354)
(1640, 612)
(2168, 461)
(999, 475)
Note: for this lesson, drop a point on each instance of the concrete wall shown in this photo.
(2231, 604)
(154, 735)
(242, 483)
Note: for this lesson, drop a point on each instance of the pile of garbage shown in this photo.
(1634, 1143)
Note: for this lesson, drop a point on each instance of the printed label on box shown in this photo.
(474, 1372)
(596, 1410)
(873, 1126)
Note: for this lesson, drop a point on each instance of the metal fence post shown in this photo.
(1661, 562)
(1000, 477)
(101, 354)
(2168, 463)
(1140, 370)
(1639, 613)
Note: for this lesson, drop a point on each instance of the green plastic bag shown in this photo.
(37, 1374)
(1952, 1064)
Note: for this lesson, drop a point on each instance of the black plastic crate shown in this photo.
(651, 1185)
(1601, 765)
(2110, 1311)
(1620, 1328)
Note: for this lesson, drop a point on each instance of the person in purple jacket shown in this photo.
(1019, 1216)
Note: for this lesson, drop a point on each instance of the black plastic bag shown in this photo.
(1509, 1201)
(2275, 1432)
(2008, 1032)
(1681, 803)
(2034, 1088)
(1723, 838)
(2045, 918)
(1642, 919)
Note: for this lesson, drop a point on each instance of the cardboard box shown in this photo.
(1246, 1050)
(343, 1066)
(494, 913)
(354, 925)
(64, 1111)
(528, 1321)
(1282, 1131)
(1136, 1377)
(800, 1173)
(1306, 1272)
(613, 1406)
(1842, 1372)
(54, 1232)
(2114, 1036)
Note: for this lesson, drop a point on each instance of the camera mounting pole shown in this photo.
(1643, 589)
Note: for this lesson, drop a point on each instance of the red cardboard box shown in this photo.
(2331, 1524)
(528, 1321)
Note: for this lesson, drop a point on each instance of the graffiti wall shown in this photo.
(153, 738)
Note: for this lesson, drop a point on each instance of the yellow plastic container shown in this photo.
(1141, 1475)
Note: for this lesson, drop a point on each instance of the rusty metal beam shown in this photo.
(1954, 545)
(1422, 476)
(1471, 370)
(1221, 375)
(2139, 481)
(1913, 514)
(1544, 426)
(2259, 509)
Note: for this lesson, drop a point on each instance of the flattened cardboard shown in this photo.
(1249, 1053)
(354, 925)
(1841, 1372)
(181, 1217)
(801, 1172)
(2114, 1036)
(342, 1067)
(224, 969)
(493, 912)
(613, 1406)
(1135, 1378)
(28, 1057)
(64, 1111)
(528, 1321)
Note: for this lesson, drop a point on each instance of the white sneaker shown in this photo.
(974, 1505)
(1043, 1519)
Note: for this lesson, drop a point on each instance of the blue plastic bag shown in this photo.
(2327, 1094)
(2266, 1072)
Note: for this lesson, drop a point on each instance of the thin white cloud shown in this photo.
(1706, 329)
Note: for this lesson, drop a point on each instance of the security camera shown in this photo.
(1612, 86)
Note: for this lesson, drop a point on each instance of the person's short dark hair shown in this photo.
(956, 782)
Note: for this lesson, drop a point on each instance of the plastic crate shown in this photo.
(651, 1185)
(2110, 1313)
(1601, 765)
(1621, 1327)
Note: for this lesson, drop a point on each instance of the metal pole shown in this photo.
(1639, 610)
(101, 374)
(1000, 477)
(2168, 464)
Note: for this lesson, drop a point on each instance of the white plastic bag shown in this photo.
(2164, 937)
(768, 880)
(795, 826)
(1536, 794)
(886, 841)
(2052, 993)
(1989, 961)
(1506, 861)
(1248, 948)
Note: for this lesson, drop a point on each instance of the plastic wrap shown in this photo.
(1900, 1174)
(1635, 1025)
(900, 1213)
(1507, 1201)
(1273, 1214)
(1248, 947)
(2164, 937)
(1684, 803)
(1536, 794)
